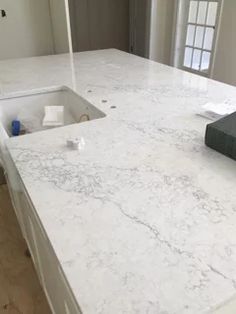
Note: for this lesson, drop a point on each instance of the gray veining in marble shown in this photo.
(143, 220)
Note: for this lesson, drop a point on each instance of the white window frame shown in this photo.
(212, 51)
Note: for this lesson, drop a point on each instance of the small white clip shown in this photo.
(75, 143)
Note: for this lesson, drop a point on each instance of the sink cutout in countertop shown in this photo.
(29, 109)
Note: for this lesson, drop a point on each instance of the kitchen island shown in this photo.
(143, 218)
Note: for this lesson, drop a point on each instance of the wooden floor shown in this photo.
(20, 291)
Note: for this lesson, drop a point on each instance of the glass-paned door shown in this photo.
(200, 35)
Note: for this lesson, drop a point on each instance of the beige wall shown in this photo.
(59, 25)
(26, 30)
(224, 68)
(161, 30)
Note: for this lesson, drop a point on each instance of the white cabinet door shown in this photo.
(25, 30)
(46, 263)
(56, 288)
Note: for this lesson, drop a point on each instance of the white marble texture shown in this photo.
(143, 220)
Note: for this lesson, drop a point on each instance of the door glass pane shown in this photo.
(188, 57)
(199, 37)
(196, 59)
(208, 38)
(193, 12)
(212, 12)
(205, 64)
(201, 18)
(190, 35)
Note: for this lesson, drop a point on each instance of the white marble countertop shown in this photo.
(143, 220)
